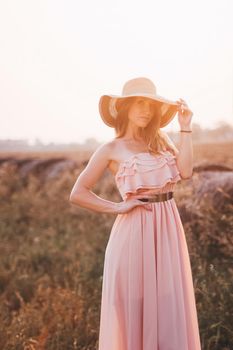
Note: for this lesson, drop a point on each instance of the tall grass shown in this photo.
(52, 256)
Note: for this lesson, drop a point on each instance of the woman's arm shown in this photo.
(184, 158)
(81, 193)
(184, 153)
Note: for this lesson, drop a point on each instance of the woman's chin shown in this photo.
(142, 124)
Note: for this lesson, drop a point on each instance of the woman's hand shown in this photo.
(184, 115)
(130, 203)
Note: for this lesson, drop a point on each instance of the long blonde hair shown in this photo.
(153, 136)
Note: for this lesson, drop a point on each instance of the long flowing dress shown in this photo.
(148, 300)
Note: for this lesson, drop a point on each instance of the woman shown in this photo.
(148, 300)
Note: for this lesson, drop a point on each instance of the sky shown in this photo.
(57, 58)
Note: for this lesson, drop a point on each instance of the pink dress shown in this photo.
(148, 300)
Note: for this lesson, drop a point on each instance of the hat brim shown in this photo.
(168, 108)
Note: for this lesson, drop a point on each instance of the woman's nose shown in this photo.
(146, 111)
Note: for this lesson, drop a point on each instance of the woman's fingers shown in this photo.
(182, 102)
(146, 205)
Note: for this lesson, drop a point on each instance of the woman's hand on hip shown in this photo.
(128, 204)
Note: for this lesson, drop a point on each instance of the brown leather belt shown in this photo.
(158, 197)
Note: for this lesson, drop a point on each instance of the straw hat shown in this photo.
(142, 87)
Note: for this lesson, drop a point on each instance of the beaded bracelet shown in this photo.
(185, 130)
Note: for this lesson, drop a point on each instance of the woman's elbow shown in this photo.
(75, 195)
(186, 176)
(73, 198)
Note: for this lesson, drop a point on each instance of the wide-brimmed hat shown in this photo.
(141, 87)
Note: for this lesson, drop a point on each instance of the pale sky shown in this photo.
(58, 57)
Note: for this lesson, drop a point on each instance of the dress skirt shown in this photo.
(148, 300)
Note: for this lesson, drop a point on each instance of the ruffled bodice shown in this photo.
(144, 174)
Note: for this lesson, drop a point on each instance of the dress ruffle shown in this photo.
(144, 170)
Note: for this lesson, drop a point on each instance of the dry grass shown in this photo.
(52, 256)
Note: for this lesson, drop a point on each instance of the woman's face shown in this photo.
(141, 111)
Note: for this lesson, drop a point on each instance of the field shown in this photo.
(52, 253)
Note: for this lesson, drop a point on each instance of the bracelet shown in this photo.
(185, 130)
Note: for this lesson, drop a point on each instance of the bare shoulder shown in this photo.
(103, 149)
(111, 151)
(108, 149)
(97, 164)
(102, 155)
